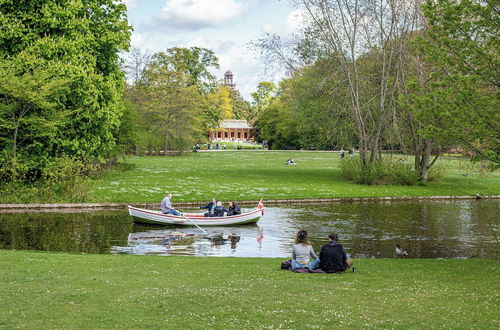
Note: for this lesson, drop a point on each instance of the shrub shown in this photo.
(381, 172)
(66, 177)
(402, 173)
(436, 173)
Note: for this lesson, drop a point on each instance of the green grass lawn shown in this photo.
(251, 175)
(59, 290)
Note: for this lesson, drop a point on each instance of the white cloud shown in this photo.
(136, 39)
(178, 15)
(293, 23)
(130, 3)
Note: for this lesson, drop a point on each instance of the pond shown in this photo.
(428, 229)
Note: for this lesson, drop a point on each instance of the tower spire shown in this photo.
(228, 80)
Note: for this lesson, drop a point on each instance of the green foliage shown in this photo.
(463, 37)
(220, 100)
(262, 97)
(194, 63)
(61, 179)
(60, 81)
(242, 109)
(66, 177)
(461, 102)
(437, 173)
(309, 111)
(129, 133)
(174, 100)
(277, 126)
(381, 172)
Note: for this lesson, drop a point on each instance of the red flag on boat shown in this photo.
(261, 207)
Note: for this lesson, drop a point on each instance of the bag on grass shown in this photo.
(286, 264)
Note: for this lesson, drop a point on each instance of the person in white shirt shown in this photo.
(302, 252)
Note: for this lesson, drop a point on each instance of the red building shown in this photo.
(232, 130)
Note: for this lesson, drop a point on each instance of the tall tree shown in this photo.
(195, 63)
(242, 109)
(462, 45)
(263, 96)
(353, 28)
(221, 99)
(46, 42)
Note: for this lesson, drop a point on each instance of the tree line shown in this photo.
(70, 103)
(172, 100)
(419, 77)
(397, 74)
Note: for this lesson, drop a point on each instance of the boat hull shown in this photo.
(157, 218)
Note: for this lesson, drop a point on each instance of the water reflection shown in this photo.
(450, 229)
(74, 232)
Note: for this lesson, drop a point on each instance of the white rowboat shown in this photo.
(190, 219)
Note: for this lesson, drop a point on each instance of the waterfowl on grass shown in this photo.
(401, 252)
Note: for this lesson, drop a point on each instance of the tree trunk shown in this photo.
(14, 142)
(166, 145)
(426, 159)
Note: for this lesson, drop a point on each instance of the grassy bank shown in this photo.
(56, 290)
(250, 175)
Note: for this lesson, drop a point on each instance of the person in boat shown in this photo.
(211, 207)
(219, 210)
(302, 252)
(166, 206)
(234, 208)
(333, 257)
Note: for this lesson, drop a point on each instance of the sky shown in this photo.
(224, 26)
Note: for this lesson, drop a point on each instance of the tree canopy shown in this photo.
(61, 85)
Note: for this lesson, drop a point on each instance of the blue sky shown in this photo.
(225, 26)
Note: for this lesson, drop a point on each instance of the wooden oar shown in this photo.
(203, 230)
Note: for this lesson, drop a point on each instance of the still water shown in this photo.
(428, 229)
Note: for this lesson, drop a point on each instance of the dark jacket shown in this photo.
(209, 206)
(219, 211)
(332, 257)
(234, 210)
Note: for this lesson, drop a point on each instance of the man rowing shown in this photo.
(166, 206)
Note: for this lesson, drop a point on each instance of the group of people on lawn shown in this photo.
(215, 209)
(332, 256)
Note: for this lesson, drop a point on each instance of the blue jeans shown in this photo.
(173, 212)
(312, 265)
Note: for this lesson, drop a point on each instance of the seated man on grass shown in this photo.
(332, 256)
(166, 206)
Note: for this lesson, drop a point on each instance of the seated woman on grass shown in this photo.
(302, 252)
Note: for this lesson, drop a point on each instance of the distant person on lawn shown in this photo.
(333, 257)
(211, 208)
(166, 206)
(234, 208)
(302, 252)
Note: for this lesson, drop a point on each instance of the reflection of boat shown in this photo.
(189, 219)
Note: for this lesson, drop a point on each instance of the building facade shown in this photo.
(232, 130)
